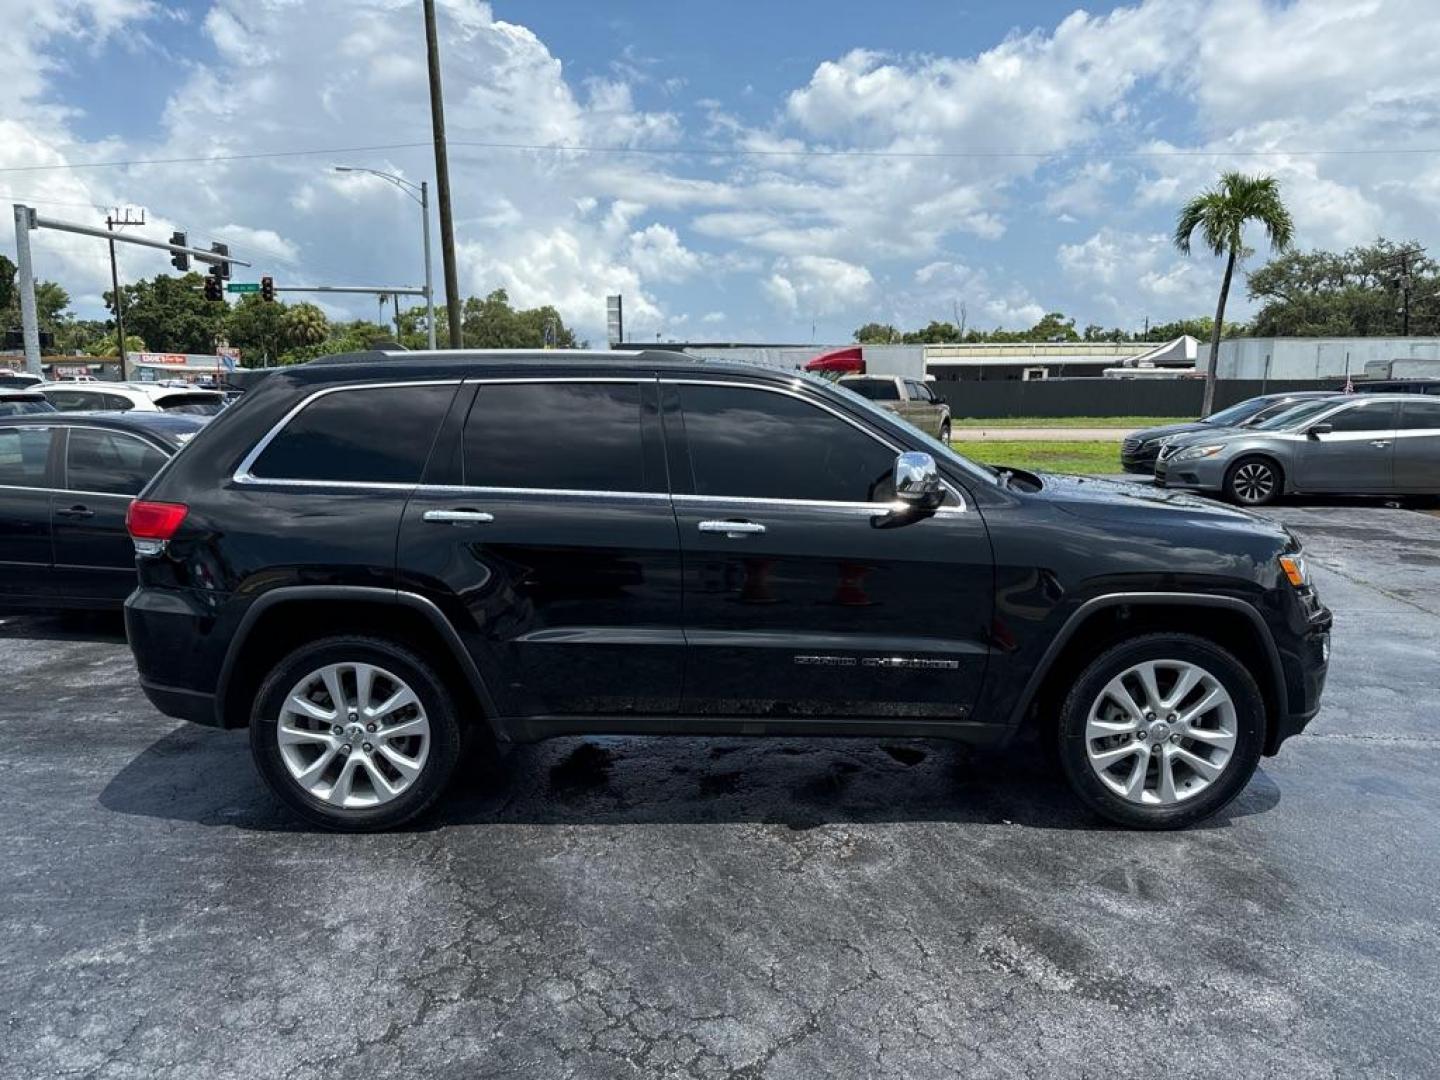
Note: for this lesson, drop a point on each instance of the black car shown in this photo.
(369, 556)
(1140, 449)
(65, 483)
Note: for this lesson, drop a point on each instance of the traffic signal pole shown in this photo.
(27, 219)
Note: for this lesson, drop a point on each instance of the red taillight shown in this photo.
(154, 520)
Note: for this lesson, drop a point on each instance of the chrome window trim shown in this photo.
(573, 493)
(243, 475)
(795, 393)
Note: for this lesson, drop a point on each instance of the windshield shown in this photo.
(938, 450)
(1295, 416)
(874, 389)
(1235, 414)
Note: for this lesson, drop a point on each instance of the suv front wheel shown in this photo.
(355, 733)
(1162, 731)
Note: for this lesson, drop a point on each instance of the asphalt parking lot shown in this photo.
(731, 908)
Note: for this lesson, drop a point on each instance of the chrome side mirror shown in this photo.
(917, 480)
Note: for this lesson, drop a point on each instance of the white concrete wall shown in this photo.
(1313, 358)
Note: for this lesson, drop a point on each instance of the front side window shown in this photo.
(23, 455)
(918, 391)
(109, 462)
(369, 435)
(1368, 417)
(24, 406)
(1294, 417)
(558, 436)
(752, 443)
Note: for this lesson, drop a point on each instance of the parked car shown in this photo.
(1417, 385)
(18, 380)
(717, 549)
(141, 397)
(913, 399)
(1139, 450)
(23, 403)
(1371, 444)
(66, 481)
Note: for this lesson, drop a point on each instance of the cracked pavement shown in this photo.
(628, 907)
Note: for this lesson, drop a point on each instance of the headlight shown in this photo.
(1295, 570)
(1190, 453)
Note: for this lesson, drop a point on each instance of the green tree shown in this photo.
(1354, 293)
(171, 313)
(1221, 214)
(1053, 326)
(305, 324)
(77, 336)
(936, 333)
(109, 346)
(256, 328)
(492, 323)
(877, 334)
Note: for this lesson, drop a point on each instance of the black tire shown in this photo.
(1246, 480)
(1250, 724)
(444, 747)
(945, 432)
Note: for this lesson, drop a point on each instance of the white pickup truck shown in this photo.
(910, 398)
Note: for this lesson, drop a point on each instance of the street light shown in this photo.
(421, 194)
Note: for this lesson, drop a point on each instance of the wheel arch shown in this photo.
(1270, 458)
(287, 617)
(1104, 620)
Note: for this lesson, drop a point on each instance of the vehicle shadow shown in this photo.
(107, 627)
(206, 777)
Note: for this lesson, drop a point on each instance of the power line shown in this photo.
(739, 152)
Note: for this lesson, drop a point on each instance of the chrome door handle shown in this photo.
(1380, 443)
(458, 517)
(732, 529)
(76, 511)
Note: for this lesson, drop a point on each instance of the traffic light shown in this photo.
(180, 260)
(213, 288)
(221, 269)
(267, 288)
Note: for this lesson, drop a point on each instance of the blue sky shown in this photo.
(794, 169)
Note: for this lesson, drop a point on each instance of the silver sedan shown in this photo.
(1378, 444)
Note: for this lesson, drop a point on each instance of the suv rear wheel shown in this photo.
(1161, 731)
(355, 733)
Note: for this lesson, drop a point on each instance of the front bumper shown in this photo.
(1200, 474)
(1306, 661)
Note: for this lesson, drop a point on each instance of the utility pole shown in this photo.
(1405, 294)
(442, 176)
(110, 224)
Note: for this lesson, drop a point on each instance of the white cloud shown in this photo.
(656, 252)
(817, 285)
(1131, 275)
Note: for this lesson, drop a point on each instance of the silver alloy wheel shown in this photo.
(353, 735)
(1161, 732)
(1253, 482)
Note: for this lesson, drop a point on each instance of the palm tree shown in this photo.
(1221, 214)
(305, 324)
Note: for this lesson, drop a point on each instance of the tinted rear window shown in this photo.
(23, 455)
(377, 435)
(1420, 415)
(874, 389)
(558, 436)
(191, 404)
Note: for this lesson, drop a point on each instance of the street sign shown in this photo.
(242, 286)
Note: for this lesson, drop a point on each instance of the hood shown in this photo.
(1166, 430)
(1098, 499)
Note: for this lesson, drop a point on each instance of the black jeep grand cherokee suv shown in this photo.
(371, 556)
